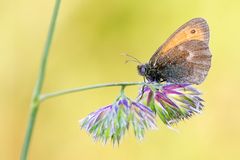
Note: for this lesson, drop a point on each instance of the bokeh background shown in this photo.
(90, 36)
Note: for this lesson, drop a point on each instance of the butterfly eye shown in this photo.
(143, 69)
(193, 31)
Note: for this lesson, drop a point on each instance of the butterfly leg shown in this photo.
(142, 90)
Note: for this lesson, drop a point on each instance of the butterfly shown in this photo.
(183, 58)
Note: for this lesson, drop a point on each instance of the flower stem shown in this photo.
(67, 91)
(39, 84)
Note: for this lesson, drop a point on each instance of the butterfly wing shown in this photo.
(188, 62)
(185, 57)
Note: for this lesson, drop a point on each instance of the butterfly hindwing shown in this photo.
(188, 62)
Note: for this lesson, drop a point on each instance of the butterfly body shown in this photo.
(152, 74)
(184, 58)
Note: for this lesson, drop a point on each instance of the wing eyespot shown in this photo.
(193, 31)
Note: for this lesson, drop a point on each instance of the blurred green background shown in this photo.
(90, 36)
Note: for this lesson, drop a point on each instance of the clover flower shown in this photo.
(112, 121)
(172, 102)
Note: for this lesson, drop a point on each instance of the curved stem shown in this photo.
(39, 84)
(122, 90)
(67, 91)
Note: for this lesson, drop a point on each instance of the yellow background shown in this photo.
(90, 36)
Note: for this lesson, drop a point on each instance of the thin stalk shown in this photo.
(67, 91)
(39, 84)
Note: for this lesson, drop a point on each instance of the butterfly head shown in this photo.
(143, 69)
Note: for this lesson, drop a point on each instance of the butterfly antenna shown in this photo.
(133, 59)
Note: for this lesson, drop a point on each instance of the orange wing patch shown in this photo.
(195, 29)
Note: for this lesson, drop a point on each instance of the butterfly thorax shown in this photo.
(151, 73)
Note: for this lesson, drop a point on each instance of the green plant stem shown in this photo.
(39, 84)
(67, 91)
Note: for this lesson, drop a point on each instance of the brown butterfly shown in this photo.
(184, 58)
